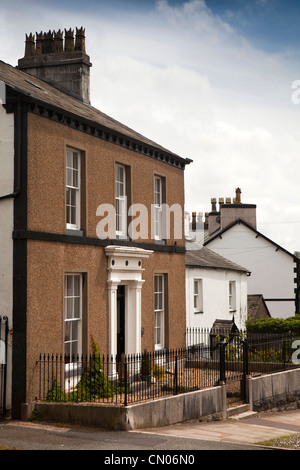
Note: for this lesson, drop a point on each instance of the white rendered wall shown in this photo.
(272, 270)
(215, 284)
(6, 227)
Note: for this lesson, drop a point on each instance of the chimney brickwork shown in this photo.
(230, 212)
(61, 61)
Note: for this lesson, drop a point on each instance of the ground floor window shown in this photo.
(73, 314)
(198, 296)
(159, 311)
(232, 296)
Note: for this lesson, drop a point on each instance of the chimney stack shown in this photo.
(229, 213)
(63, 62)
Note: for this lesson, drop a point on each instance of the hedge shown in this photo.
(275, 325)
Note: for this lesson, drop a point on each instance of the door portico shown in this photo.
(125, 269)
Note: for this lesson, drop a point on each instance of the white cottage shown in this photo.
(216, 289)
(231, 231)
(233, 234)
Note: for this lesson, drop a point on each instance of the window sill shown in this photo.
(159, 242)
(119, 236)
(75, 232)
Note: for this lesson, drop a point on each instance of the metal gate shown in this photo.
(234, 367)
(3, 363)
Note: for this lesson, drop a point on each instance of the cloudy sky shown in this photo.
(210, 80)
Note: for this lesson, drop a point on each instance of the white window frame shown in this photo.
(121, 201)
(198, 295)
(158, 201)
(159, 311)
(73, 176)
(73, 314)
(232, 296)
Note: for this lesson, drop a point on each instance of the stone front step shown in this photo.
(240, 412)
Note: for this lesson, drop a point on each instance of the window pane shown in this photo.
(69, 177)
(73, 215)
(76, 312)
(67, 349)
(75, 179)
(69, 159)
(74, 330)
(68, 196)
(75, 160)
(77, 285)
(73, 197)
(67, 331)
(69, 285)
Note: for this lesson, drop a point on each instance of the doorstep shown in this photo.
(240, 412)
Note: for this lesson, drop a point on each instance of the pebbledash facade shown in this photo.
(63, 166)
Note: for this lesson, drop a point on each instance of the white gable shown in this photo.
(272, 269)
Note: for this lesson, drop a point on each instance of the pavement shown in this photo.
(246, 428)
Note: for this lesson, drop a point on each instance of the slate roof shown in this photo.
(206, 258)
(43, 92)
(257, 307)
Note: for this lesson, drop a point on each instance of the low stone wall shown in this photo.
(275, 392)
(162, 412)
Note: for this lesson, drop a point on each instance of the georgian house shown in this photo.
(87, 246)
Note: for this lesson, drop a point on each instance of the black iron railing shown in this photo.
(134, 378)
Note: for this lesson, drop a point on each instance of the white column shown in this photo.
(133, 322)
(112, 323)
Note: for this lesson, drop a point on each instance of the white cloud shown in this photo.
(186, 79)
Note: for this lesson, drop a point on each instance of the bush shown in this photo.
(93, 384)
(275, 325)
(56, 393)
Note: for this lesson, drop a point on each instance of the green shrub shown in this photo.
(275, 325)
(93, 384)
(158, 372)
(56, 393)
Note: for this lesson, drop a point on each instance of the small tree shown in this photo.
(56, 393)
(93, 384)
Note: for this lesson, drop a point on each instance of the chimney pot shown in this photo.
(54, 59)
(238, 196)
(213, 204)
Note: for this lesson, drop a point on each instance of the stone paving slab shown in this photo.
(249, 430)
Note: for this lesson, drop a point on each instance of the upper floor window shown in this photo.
(158, 201)
(121, 201)
(73, 190)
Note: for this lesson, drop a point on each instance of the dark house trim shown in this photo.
(19, 262)
(95, 129)
(90, 241)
